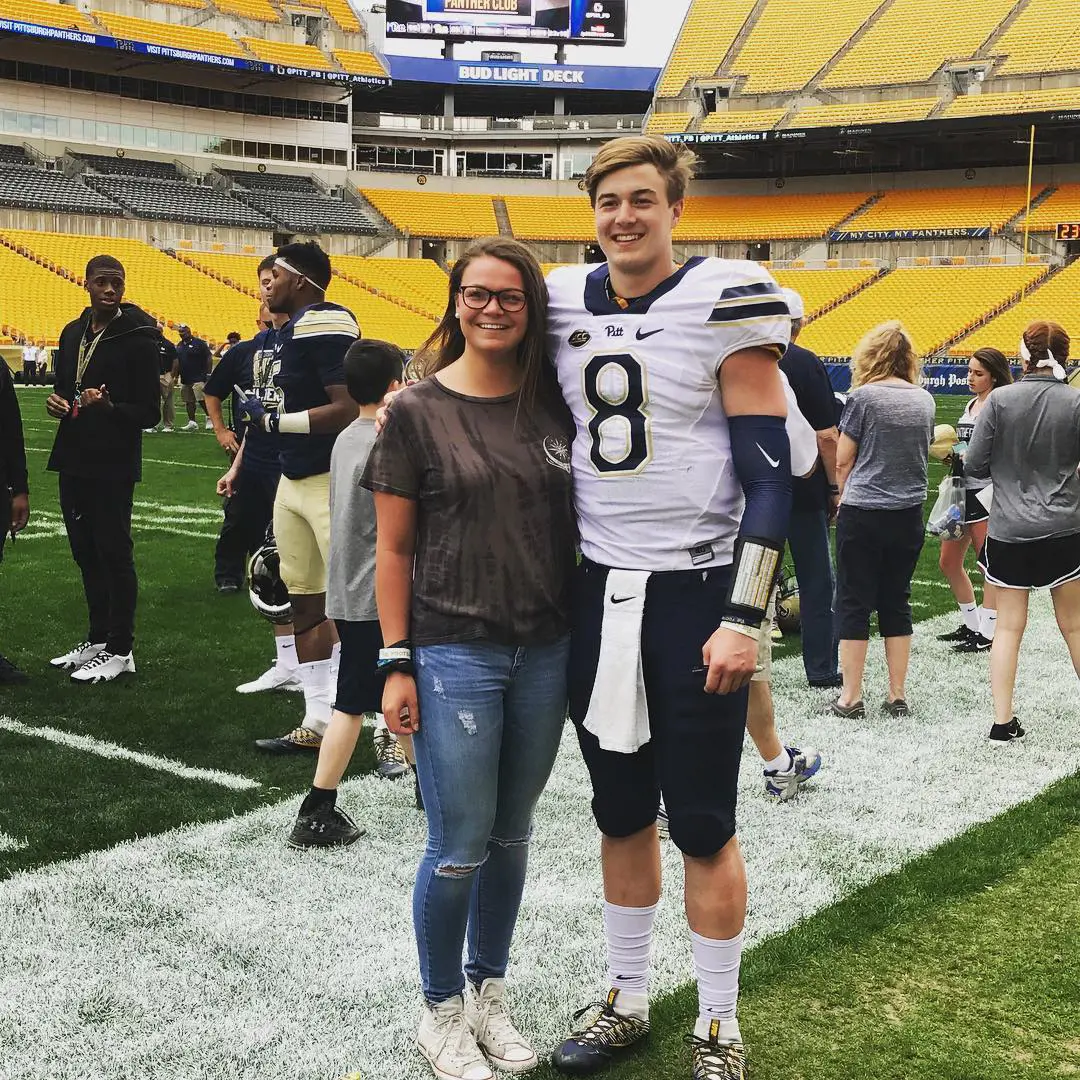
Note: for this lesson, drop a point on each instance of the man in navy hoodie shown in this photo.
(105, 393)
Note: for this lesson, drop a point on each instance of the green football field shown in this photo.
(153, 924)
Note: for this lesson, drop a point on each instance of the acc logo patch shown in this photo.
(579, 338)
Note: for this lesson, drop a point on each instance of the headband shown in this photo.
(286, 265)
(1048, 362)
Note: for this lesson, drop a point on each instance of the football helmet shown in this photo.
(267, 591)
(787, 604)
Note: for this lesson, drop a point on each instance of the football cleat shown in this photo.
(961, 633)
(1007, 732)
(494, 1031)
(974, 643)
(300, 740)
(104, 667)
(274, 678)
(326, 827)
(389, 755)
(609, 1034)
(662, 829)
(10, 674)
(717, 1059)
(209, 425)
(78, 656)
(448, 1043)
(190, 426)
(784, 784)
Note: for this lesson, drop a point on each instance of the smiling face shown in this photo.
(491, 329)
(980, 381)
(634, 221)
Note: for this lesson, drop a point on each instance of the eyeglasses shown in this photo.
(478, 298)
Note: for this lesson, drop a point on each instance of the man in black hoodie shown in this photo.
(14, 489)
(106, 391)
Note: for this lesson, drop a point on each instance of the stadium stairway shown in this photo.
(502, 216)
(987, 47)
(816, 81)
(740, 38)
(1016, 222)
(842, 298)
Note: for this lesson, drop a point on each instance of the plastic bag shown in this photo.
(947, 516)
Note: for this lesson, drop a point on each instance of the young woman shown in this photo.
(475, 549)
(987, 369)
(1027, 443)
(881, 464)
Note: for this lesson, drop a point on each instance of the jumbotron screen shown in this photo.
(593, 22)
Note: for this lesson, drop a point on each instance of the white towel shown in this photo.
(986, 496)
(618, 714)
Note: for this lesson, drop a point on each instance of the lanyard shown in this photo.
(86, 352)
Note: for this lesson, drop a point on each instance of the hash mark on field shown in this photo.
(114, 750)
(10, 843)
(146, 460)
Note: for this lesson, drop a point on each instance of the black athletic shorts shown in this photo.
(974, 510)
(1035, 564)
(359, 684)
(693, 755)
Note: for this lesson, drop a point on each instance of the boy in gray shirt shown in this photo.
(372, 369)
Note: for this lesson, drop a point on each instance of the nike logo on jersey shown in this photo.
(775, 464)
(641, 335)
(620, 599)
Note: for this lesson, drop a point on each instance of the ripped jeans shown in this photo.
(491, 717)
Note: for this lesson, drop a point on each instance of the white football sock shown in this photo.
(970, 615)
(717, 966)
(780, 763)
(286, 652)
(628, 931)
(988, 623)
(315, 679)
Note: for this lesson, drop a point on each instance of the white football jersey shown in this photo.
(654, 484)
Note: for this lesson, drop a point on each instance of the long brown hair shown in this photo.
(1043, 338)
(447, 342)
(996, 365)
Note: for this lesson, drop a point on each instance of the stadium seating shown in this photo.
(1044, 38)
(743, 120)
(435, 213)
(298, 204)
(664, 123)
(1062, 205)
(13, 155)
(110, 165)
(257, 181)
(1021, 101)
(934, 303)
(339, 10)
(1055, 300)
(911, 39)
(174, 35)
(943, 208)
(62, 16)
(379, 317)
(175, 200)
(821, 289)
(863, 112)
(551, 217)
(240, 272)
(42, 305)
(708, 31)
(792, 40)
(359, 63)
(259, 10)
(764, 217)
(184, 3)
(420, 284)
(280, 52)
(31, 188)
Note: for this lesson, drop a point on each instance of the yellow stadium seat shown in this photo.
(1021, 101)
(43, 14)
(432, 213)
(864, 112)
(743, 120)
(934, 303)
(664, 123)
(913, 38)
(551, 217)
(419, 284)
(821, 289)
(42, 305)
(339, 10)
(280, 52)
(708, 31)
(943, 208)
(259, 10)
(359, 63)
(1044, 38)
(171, 34)
(764, 217)
(1061, 206)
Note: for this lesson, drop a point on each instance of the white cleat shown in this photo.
(105, 667)
(190, 426)
(785, 784)
(274, 678)
(167, 430)
(78, 656)
(209, 425)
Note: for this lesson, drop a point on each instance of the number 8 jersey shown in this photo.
(654, 485)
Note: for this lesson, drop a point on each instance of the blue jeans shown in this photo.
(808, 538)
(491, 717)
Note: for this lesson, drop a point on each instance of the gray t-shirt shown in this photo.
(350, 577)
(1027, 441)
(893, 423)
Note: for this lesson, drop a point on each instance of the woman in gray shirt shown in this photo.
(881, 460)
(1027, 443)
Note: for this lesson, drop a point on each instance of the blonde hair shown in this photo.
(674, 161)
(885, 352)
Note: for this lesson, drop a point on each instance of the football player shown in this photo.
(682, 483)
(313, 405)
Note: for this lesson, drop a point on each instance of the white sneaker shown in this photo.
(784, 784)
(209, 425)
(446, 1040)
(78, 656)
(149, 430)
(190, 426)
(274, 678)
(104, 667)
(167, 430)
(493, 1029)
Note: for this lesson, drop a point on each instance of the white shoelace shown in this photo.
(458, 1042)
(493, 1024)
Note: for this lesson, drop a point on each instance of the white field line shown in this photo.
(114, 750)
(10, 843)
(48, 524)
(213, 951)
(146, 460)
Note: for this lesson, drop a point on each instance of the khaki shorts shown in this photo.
(190, 393)
(764, 646)
(302, 532)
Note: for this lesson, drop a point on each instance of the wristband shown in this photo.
(396, 657)
(297, 423)
(746, 629)
(753, 574)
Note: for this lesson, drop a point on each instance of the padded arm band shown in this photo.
(761, 456)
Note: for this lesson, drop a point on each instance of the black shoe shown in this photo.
(975, 643)
(961, 633)
(899, 707)
(717, 1059)
(10, 675)
(324, 827)
(832, 682)
(1007, 732)
(607, 1036)
(854, 711)
(227, 588)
